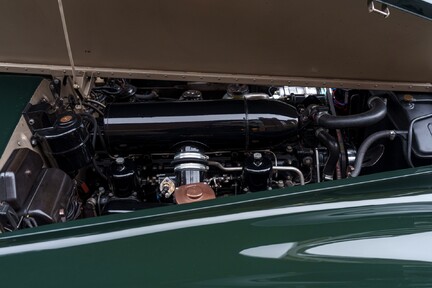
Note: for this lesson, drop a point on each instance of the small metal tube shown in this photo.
(275, 168)
(255, 96)
(317, 166)
(220, 166)
(292, 169)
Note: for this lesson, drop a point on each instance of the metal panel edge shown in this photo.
(59, 71)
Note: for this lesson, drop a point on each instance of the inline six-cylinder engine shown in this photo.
(134, 144)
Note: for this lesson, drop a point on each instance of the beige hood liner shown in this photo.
(310, 42)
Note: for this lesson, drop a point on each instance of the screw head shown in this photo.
(307, 161)
(257, 156)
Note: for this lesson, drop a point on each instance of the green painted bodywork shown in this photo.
(15, 93)
(225, 242)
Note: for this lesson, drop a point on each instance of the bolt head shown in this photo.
(257, 156)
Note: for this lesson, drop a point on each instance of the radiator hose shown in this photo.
(333, 149)
(386, 134)
(376, 113)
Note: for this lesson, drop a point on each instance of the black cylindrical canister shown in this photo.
(123, 177)
(257, 172)
(67, 143)
(213, 125)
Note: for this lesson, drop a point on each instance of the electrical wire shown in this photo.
(95, 133)
(93, 107)
(98, 170)
(96, 102)
(108, 90)
(95, 127)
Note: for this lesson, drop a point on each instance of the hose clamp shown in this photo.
(319, 115)
(369, 102)
(318, 131)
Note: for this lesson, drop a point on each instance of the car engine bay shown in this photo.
(135, 144)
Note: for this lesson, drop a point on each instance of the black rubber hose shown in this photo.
(376, 113)
(386, 134)
(149, 96)
(333, 148)
(341, 168)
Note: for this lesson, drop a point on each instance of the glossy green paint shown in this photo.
(225, 242)
(190, 246)
(15, 92)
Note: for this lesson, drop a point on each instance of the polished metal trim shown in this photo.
(190, 155)
(190, 166)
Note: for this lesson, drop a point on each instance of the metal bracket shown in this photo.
(384, 11)
(8, 216)
(84, 83)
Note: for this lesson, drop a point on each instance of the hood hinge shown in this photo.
(384, 11)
